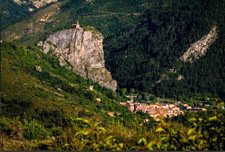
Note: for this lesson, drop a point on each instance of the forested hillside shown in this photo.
(13, 11)
(143, 41)
(151, 52)
(35, 86)
(110, 17)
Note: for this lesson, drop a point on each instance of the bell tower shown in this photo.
(78, 26)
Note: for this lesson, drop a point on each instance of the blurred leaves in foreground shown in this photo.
(81, 134)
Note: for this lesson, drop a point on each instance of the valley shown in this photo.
(115, 75)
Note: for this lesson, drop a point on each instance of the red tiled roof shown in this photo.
(123, 103)
(111, 113)
(135, 103)
(217, 99)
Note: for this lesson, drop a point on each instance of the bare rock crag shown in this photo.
(200, 47)
(83, 49)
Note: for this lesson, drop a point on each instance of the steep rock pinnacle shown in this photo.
(84, 50)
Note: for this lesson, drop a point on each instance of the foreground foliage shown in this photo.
(80, 134)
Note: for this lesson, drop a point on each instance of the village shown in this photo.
(158, 109)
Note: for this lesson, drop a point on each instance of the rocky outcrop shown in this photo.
(83, 49)
(46, 17)
(41, 3)
(200, 47)
(36, 3)
(18, 2)
(180, 77)
(162, 78)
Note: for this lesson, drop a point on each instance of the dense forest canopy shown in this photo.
(12, 12)
(165, 32)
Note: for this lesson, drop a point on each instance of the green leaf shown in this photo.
(190, 131)
(96, 124)
(192, 137)
(160, 129)
(142, 140)
(101, 128)
(164, 138)
(213, 118)
(121, 145)
(150, 146)
(108, 138)
(79, 119)
(221, 103)
(192, 119)
(82, 132)
(86, 121)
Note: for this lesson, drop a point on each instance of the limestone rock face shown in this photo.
(84, 50)
(200, 47)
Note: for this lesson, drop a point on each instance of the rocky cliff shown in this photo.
(84, 50)
(200, 47)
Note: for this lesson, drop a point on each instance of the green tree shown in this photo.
(123, 91)
(132, 90)
(139, 97)
(154, 100)
(147, 97)
(34, 130)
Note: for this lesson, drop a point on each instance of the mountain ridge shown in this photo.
(141, 49)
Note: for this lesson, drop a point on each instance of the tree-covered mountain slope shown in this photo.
(13, 11)
(143, 40)
(148, 58)
(110, 17)
(35, 86)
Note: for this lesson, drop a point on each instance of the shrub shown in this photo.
(33, 130)
(11, 127)
(57, 131)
